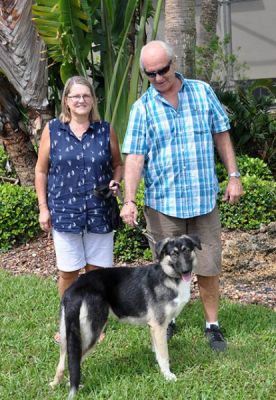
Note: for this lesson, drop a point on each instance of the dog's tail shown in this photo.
(74, 352)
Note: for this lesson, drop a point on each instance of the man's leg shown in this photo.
(209, 293)
(208, 268)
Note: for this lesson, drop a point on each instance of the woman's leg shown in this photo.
(65, 280)
(90, 267)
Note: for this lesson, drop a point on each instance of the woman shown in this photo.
(77, 154)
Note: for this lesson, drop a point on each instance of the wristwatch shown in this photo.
(235, 174)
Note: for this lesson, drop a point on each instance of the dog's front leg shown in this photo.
(160, 346)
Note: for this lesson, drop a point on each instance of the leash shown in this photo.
(145, 233)
(104, 192)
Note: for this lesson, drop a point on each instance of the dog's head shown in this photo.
(177, 256)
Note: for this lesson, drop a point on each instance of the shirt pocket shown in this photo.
(203, 123)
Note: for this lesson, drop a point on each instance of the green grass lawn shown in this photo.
(123, 366)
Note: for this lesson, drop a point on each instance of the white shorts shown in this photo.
(75, 251)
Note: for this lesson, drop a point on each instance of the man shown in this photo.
(170, 137)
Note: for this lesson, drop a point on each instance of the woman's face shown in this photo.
(79, 100)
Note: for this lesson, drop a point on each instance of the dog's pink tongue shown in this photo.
(187, 277)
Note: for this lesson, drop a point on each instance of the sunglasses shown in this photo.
(161, 72)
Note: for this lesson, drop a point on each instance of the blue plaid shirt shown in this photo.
(179, 168)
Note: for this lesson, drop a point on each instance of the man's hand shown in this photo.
(129, 213)
(234, 191)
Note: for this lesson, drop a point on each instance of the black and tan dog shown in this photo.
(151, 295)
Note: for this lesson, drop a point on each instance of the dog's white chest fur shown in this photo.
(184, 293)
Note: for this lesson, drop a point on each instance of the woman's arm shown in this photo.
(117, 163)
(41, 179)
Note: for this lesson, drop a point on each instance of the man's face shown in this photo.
(162, 69)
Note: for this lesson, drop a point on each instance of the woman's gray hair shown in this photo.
(65, 115)
(166, 46)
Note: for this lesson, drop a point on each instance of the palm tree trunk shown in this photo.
(23, 57)
(14, 135)
(207, 34)
(23, 61)
(180, 32)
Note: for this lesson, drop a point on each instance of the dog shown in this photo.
(151, 295)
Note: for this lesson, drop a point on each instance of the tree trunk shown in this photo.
(207, 35)
(23, 57)
(180, 32)
(14, 135)
(23, 61)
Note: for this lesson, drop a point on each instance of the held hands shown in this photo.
(234, 191)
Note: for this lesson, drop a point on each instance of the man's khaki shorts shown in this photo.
(207, 227)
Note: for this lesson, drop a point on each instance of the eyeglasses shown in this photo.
(161, 72)
(77, 98)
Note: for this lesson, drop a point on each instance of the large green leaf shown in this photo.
(64, 27)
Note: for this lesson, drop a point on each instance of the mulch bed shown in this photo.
(249, 287)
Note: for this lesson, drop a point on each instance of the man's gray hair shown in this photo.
(167, 47)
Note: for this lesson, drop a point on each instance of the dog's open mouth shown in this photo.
(186, 277)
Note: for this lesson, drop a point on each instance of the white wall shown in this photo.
(253, 31)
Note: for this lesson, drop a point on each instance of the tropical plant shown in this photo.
(253, 128)
(91, 38)
(214, 69)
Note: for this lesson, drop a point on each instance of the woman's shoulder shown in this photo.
(101, 126)
(55, 122)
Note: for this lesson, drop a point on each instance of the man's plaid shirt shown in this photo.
(179, 169)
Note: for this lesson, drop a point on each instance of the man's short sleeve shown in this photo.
(135, 137)
(220, 120)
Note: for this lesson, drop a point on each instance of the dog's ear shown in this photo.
(160, 246)
(194, 239)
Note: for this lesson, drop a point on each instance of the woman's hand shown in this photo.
(114, 186)
(45, 219)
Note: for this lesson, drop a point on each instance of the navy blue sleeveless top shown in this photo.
(76, 168)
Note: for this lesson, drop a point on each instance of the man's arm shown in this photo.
(133, 169)
(226, 152)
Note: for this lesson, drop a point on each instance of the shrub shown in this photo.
(248, 166)
(3, 164)
(257, 206)
(18, 215)
(130, 244)
(253, 127)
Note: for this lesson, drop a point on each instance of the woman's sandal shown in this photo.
(57, 338)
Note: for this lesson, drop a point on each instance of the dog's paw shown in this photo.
(170, 376)
(53, 384)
